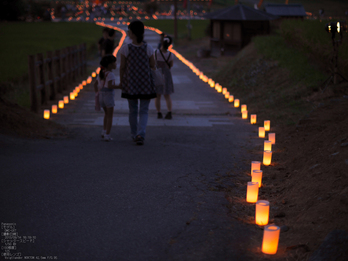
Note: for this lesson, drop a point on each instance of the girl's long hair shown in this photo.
(105, 61)
(137, 28)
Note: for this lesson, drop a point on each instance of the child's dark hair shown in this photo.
(167, 41)
(137, 28)
(111, 32)
(105, 61)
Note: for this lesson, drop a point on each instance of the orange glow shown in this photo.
(255, 165)
(84, 83)
(257, 177)
(80, 86)
(267, 157)
(262, 212)
(272, 137)
(244, 114)
(253, 118)
(252, 192)
(270, 239)
(61, 104)
(72, 96)
(66, 99)
(231, 98)
(267, 125)
(227, 95)
(94, 74)
(267, 145)
(261, 132)
(54, 108)
(224, 90)
(236, 103)
(243, 108)
(89, 79)
(46, 114)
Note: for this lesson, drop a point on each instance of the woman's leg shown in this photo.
(158, 103)
(143, 117)
(133, 116)
(109, 117)
(105, 118)
(168, 101)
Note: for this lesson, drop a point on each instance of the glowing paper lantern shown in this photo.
(270, 239)
(255, 165)
(219, 89)
(267, 125)
(46, 114)
(54, 108)
(94, 74)
(61, 104)
(227, 95)
(252, 192)
(253, 118)
(231, 98)
(224, 90)
(89, 79)
(267, 157)
(81, 86)
(243, 108)
(212, 84)
(244, 114)
(84, 83)
(271, 137)
(66, 99)
(262, 212)
(236, 103)
(261, 132)
(72, 96)
(267, 145)
(257, 177)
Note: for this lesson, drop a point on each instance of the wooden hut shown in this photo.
(233, 27)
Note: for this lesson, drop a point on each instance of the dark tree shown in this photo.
(11, 10)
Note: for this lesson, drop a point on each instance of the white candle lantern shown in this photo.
(94, 74)
(267, 157)
(256, 176)
(236, 103)
(272, 137)
(252, 192)
(262, 212)
(255, 165)
(244, 114)
(84, 83)
(54, 108)
(72, 96)
(224, 90)
(227, 95)
(267, 145)
(253, 118)
(61, 104)
(231, 98)
(243, 108)
(267, 125)
(270, 239)
(66, 99)
(261, 132)
(46, 114)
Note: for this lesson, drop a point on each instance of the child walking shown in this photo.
(105, 86)
(164, 60)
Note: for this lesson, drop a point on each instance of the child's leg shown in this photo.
(105, 118)
(158, 102)
(109, 117)
(168, 101)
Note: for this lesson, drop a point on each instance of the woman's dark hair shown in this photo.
(105, 61)
(111, 32)
(137, 28)
(166, 43)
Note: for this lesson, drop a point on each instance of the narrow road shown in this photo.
(87, 199)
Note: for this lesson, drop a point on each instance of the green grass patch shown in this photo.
(18, 40)
(198, 29)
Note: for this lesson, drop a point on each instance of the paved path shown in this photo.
(86, 199)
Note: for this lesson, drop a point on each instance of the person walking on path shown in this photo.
(164, 60)
(104, 86)
(137, 60)
(102, 40)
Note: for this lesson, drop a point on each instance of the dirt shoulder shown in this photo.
(307, 181)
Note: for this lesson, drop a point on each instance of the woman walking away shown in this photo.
(137, 60)
(105, 85)
(164, 60)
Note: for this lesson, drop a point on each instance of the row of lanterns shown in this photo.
(271, 232)
(75, 92)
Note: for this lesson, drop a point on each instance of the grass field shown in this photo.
(198, 27)
(18, 40)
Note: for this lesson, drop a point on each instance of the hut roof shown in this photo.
(285, 10)
(240, 12)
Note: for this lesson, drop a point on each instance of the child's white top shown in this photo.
(125, 50)
(160, 58)
(110, 76)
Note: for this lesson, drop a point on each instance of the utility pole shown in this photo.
(175, 21)
(188, 21)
